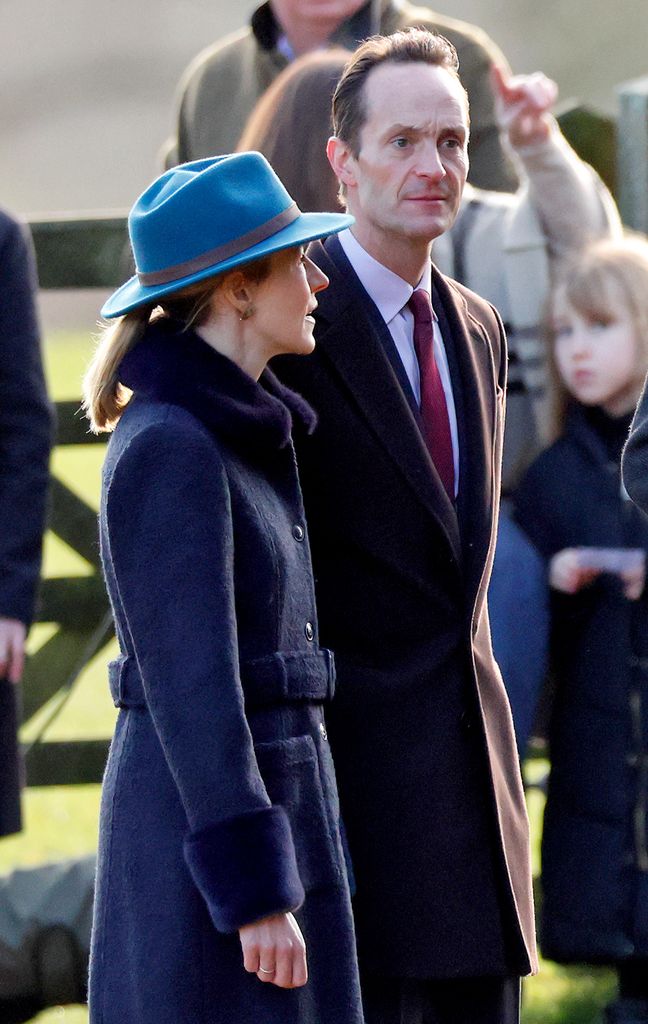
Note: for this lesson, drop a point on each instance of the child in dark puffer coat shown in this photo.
(573, 507)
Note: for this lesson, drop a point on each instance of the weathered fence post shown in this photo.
(633, 153)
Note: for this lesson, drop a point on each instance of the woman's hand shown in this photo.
(274, 950)
(567, 574)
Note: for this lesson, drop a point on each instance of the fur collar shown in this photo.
(177, 366)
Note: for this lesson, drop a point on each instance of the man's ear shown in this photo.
(341, 160)
(238, 291)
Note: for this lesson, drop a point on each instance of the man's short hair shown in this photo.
(408, 46)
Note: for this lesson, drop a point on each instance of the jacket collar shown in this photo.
(477, 446)
(389, 292)
(363, 362)
(376, 390)
(177, 366)
(351, 32)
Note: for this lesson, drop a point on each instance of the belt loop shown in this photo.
(125, 683)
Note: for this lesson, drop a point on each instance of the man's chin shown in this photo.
(426, 229)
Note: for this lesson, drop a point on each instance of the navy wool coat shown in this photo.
(25, 438)
(219, 800)
(594, 849)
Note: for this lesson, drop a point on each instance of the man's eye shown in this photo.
(401, 142)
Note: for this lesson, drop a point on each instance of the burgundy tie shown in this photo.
(434, 409)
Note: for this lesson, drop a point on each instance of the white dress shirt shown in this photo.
(391, 295)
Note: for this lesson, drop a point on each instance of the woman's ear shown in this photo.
(238, 292)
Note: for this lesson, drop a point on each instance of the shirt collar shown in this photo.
(284, 47)
(389, 292)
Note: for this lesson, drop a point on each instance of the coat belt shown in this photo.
(277, 678)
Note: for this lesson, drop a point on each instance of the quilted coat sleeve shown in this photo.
(572, 203)
(534, 505)
(168, 541)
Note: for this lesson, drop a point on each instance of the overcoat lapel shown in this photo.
(350, 336)
(474, 359)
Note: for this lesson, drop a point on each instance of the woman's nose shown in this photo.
(317, 279)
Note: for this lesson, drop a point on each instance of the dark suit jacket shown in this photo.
(25, 425)
(421, 730)
(25, 429)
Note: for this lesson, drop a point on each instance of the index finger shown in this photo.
(499, 79)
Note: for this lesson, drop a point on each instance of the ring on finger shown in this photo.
(262, 970)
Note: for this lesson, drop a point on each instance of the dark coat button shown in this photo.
(309, 631)
(298, 532)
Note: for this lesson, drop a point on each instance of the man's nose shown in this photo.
(430, 163)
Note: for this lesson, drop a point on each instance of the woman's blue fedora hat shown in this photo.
(205, 217)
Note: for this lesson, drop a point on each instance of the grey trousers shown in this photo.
(457, 1001)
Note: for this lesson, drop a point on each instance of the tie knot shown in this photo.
(421, 306)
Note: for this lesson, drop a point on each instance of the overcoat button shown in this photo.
(298, 532)
(309, 631)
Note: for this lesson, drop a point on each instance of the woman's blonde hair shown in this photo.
(601, 276)
(104, 396)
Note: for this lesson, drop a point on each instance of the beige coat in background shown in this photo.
(505, 247)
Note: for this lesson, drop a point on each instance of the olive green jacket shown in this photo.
(221, 86)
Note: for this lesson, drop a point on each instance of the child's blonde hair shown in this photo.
(593, 283)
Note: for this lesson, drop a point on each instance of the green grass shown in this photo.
(561, 995)
(62, 821)
(63, 1015)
